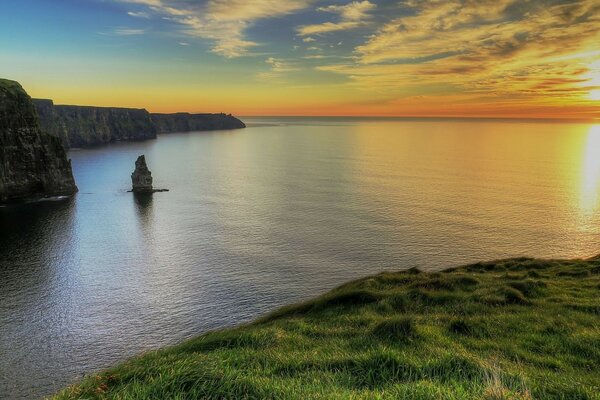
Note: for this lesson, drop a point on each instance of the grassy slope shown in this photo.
(511, 329)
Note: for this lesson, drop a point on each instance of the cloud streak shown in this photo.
(352, 15)
(493, 50)
(123, 31)
(224, 22)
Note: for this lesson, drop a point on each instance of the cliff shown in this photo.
(32, 163)
(185, 122)
(83, 126)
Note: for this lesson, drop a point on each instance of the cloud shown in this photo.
(121, 31)
(139, 14)
(491, 49)
(352, 15)
(322, 56)
(481, 29)
(279, 67)
(223, 21)
(505, 52)
(355, 11)
(327, 27)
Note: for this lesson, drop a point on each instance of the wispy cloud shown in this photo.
(225, 22)
(352, 15)
(494, 49)
(278, 67)
(140, 14)
(354, 11)
(122, 31)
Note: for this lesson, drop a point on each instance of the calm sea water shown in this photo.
(276, 213)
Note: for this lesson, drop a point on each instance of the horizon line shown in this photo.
(565, 119)
(415, 117)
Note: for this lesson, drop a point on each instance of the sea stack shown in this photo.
(141, 178)
(33, 164)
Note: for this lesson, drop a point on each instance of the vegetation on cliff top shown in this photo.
(511, 329)
(10, 85)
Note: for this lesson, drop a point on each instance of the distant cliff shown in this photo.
(185, 122)
(32, 163)
(84, 126)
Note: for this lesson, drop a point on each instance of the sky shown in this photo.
(464, 58)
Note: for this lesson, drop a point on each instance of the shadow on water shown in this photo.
(36, 246)
(30, 234)
(33, 238)
(143, 206)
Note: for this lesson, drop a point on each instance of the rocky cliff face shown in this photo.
(82, 126)
(185, 122)
(32, 163)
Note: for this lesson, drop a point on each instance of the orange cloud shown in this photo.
(485, 51)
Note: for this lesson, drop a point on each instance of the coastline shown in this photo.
(517, 328)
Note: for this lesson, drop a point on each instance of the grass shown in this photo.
(510, 329)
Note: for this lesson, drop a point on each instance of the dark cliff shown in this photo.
(185, 122)
(83, 126)
(32, 163)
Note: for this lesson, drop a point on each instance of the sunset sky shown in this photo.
(510, 58)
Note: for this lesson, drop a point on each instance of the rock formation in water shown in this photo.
(141, 178)
(33, 163)
(185, 122)
(84, 126)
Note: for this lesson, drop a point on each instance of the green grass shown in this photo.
(509, 329)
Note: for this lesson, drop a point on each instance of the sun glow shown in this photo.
(590, 182)
(594, 80)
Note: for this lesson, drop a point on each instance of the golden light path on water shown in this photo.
(590, 173)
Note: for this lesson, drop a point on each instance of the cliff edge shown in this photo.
(186, 122)
(85, 126)
(32, 163)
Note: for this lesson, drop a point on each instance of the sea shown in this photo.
(276, 213)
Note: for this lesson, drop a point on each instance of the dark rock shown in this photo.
(83, 126)
(33, 163)
(185, 122)
(141, 178)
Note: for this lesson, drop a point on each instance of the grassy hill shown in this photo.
(510, 329)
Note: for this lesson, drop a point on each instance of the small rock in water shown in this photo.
(141, 178)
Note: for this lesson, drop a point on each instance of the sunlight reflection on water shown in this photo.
(590, 182)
